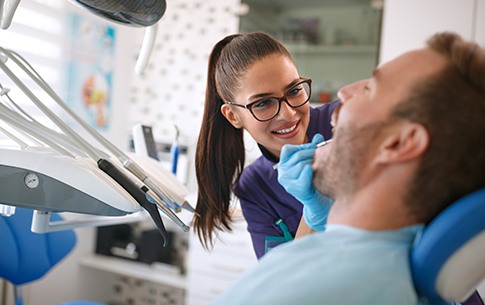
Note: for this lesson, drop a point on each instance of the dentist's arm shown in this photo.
(295, 174)
(303, 229)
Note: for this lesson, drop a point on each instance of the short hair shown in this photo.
(451, 106)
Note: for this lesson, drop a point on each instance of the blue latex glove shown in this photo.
(295, 174)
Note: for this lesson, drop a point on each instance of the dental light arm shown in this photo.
(146, 48)
(7, 9)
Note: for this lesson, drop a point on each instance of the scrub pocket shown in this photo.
(271, 242)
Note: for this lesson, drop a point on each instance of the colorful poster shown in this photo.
(89, 68)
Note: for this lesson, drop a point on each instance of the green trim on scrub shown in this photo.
(273, 241)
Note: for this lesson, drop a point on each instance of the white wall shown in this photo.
(407, 24)
(480, 23)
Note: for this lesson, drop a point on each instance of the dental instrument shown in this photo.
(323, 143)
(49, 178)
(138, 191)
(174, 154)
(129, 176)
(123, 158)
(174, 150)
(144, 142)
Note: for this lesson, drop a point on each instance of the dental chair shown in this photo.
(26, 256)
(448, 260)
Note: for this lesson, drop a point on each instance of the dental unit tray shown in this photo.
(59, 170)
(45, 180)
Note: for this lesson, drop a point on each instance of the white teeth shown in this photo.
(287, 130)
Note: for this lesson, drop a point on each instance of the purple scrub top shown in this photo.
(263, 200)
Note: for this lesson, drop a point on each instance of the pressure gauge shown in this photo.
(31, 180)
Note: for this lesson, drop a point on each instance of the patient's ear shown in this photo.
(408, 141)
(233, 118)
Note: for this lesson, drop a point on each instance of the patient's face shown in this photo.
(363, 122)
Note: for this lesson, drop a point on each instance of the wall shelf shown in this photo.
(297, 49)
(155, 273)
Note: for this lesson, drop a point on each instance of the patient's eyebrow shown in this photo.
(375, 73)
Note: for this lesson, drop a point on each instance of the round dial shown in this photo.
(31, 180)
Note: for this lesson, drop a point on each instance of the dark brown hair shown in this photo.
(220, 152)
(451, 106)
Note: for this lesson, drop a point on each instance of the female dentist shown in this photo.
(253, 85)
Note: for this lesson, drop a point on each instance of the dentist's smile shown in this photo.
(287, 131)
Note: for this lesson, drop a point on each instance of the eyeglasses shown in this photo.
(267, 108)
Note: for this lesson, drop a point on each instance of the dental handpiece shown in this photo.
(323, 143)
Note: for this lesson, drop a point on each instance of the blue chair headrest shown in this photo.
(27, 256)
(448, 260)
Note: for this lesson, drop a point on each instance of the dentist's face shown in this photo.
(363, 121)
(273, 76)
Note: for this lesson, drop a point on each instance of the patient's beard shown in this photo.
(341, 174)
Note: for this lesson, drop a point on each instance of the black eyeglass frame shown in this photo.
(283, 98)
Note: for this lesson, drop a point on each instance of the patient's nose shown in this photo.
(344, 94)
(347, 92)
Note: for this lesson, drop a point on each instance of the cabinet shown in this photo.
(303, 50)
(332, 42)
(121, 281)
(208, 272)
(211, 272)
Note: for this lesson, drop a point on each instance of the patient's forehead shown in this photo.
(412, 67)
(398, 78)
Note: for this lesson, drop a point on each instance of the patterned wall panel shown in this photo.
(171, 89)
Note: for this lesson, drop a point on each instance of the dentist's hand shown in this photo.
(295, 174)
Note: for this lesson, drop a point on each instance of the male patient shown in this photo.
(407, 142)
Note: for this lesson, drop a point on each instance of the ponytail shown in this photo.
(219, 158)
(220, 152)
